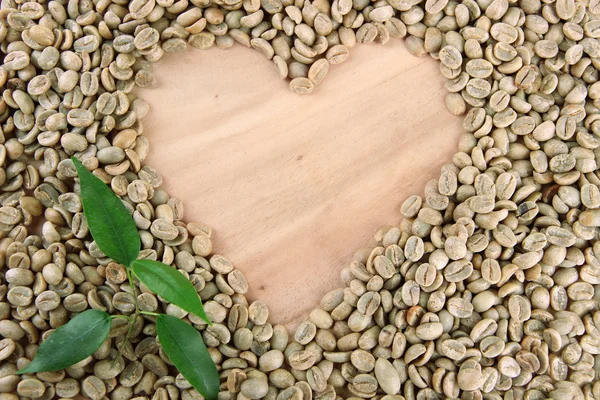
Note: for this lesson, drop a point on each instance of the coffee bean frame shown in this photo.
(488, 288)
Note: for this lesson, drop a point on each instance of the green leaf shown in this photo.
(170, 284)
(186, 350)
(109, 221)
(71, 343)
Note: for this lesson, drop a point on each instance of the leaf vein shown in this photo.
(185, 354)
(114, 229)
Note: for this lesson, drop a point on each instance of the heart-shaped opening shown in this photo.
(293, 185)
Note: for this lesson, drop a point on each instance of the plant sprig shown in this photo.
(116, 235)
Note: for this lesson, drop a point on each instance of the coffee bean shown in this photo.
(387, 376)
(32, 388)
(301, 85)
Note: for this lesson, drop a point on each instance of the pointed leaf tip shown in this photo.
(71, 343)
(170, 284)
(185, 348)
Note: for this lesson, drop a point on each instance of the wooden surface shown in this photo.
(294, 185)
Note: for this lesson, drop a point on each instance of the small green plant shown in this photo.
(115, 233)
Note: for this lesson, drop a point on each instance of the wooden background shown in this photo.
(294, 185)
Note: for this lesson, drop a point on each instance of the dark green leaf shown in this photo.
(71, 343)
(110, 223)
(170, 284)
(185, 348)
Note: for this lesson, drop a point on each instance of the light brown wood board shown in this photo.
(294, 185)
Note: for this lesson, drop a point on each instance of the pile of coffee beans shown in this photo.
(489, 288)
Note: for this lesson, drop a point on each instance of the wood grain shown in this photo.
(294, 185)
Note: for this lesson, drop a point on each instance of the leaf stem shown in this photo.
(130, 277)
(149, 313)
(127, 317)
(132, 284)
(135, 314)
